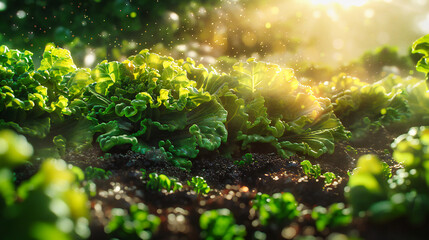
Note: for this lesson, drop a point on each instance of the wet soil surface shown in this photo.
(234, 187)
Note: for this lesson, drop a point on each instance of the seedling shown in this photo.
(351, 149)
(247, 159)
(278, 209)
(199, 185)
(335, 216)
(312, 171)
(329, 177)
(387, 172)
(138, 224)
(144, 172)
(159, 182)
(220, 224)
(92, 173)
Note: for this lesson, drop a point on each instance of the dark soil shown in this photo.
(234, 187)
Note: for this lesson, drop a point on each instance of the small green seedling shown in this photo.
(159, 182)
(312, 171)
(351, 149)
(387, 172)
(277, 210)
(335, 216)
(220, 224)
(247, 159)
(329, 177)
(138, 224)
(199, 185)
(90, 188)
(144, 173)
(92, 173)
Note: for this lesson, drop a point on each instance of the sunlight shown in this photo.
(343, 3)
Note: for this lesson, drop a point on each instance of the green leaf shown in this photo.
(421, 46)
(112, 135)
(57, 60)
(329, 177)
(105, 74)
(207, 125)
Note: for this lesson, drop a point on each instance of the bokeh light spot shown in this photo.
(2, 6)
(21, 14)
(369, 13)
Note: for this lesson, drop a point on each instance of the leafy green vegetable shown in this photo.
(220, 224)
(312, 171)
(351, 149)
(137, 224)
(421, 46)
(38, 103)
(406, 193)
(149, 103)
(335, 216)
(277, 210)
(14, 150)
(329, 177)
(199, 185)
(247, 159)
(338, 85)
(362, 107)
(38, 205)
(387, 172)
(266, 104)
(415, 94)
(96, 173)
(159, 182)
(367, 184)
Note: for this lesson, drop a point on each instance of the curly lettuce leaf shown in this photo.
(57, 61)
(276, 109)
(40, 104)
(370, 107)
(421, 46)
(14, 62)
(337, 85)
(148, 102)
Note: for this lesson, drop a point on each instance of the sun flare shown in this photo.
(343, 3)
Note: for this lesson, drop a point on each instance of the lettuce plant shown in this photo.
(15, 149)
(149, 103)
(199, 185)
(366, 185)
(415, 93)
(137, 224)
(421, 46)
(159, 182)
(277, 210)
(96, 173)
(367, 107)
(45, 101)
(329, 177)
(267, 105)
(336, 215)
(220, 224)
(246, 160)
(337, 85)
(406, 193)
(50, 203)
(312, 171)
